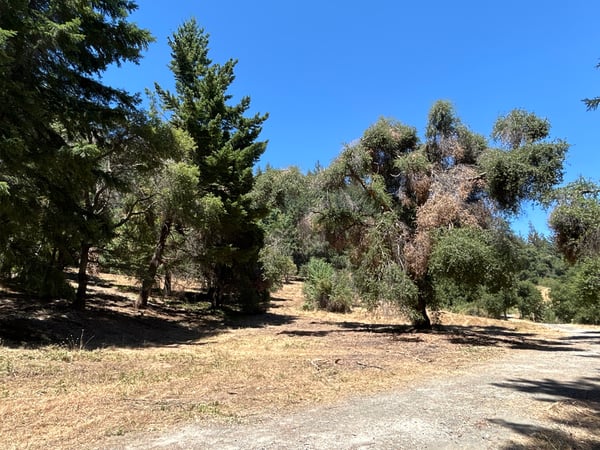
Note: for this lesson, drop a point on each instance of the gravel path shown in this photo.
(494, 405)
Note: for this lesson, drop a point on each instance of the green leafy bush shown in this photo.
(576, 296)
(327, 289)
(278, 266)
(530, 301)
(41, 279)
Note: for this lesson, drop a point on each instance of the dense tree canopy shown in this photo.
(414, 220)
(58, 122)
(576, 220)
(391, 202)
(225, 151)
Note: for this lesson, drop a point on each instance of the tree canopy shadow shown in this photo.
(504, 336)
(576, 416)
(583, 389)
(477, 336)
(110, 320)
(542, 438)
(590, 336)
(352, 327)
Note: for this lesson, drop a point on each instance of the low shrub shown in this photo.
(327, 289)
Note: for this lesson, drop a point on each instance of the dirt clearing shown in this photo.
(110, 377)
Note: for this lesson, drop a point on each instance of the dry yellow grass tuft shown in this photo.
(131, 372)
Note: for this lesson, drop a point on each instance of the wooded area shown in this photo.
(90, 177)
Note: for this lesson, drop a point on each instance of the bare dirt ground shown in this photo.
(178, 376)
(542, 398)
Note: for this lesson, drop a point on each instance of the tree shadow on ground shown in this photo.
(477, 336)
(574, 409)
(590, 336)
(349, 327)
(495, 336)
(110, 320)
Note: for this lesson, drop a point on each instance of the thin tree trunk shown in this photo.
(167, 287)
(422, 322)
(82, 277)
(155, 261)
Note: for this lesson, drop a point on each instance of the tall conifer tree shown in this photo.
(225, 154)
(52, 54)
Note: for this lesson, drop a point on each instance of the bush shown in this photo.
(530, 301)
(278, 267)
(327, 289)
(497, 304)
(45, 281)
(576, 296)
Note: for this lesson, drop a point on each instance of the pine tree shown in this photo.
(55, 107)
(226, 151)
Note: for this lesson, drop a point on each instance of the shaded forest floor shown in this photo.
(75, 379)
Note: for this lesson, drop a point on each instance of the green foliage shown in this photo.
(225, 251)
(413, 163)
(287, 197)
(325, 288)
(576, 225)
(378, 273)
(576, 296)
(60, 125)
(472, 258)
(462, 255)
(530, 301)
(529, 166)
(543, 260)
(519, 128)
(472, 145)
(278, 266)
(497, 304)
(55, 52)
(576, 220)
(479, 267)
(179, 188)
(524, 173)
(41, 279)
(449, 141)
(441, 121)
(284, 194)
(489, 272)
(420, 224)
(382, 143)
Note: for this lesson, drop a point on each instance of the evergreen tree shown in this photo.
(399, 194)
(117, 168)
(225, 153)
(576, 220)
(55, 107)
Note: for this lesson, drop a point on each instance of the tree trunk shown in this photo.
(82, 277)
(155, 261)
(422, 321)
(167, 287)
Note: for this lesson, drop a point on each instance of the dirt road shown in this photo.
(542, 397)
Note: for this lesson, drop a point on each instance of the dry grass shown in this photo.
(67, 388)
(575, 425)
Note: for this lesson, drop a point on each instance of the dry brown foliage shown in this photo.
(417, 252)
(449, 201)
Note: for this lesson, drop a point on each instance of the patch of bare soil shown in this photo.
(84, 379)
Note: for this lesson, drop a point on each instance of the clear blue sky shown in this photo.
(326, 70)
